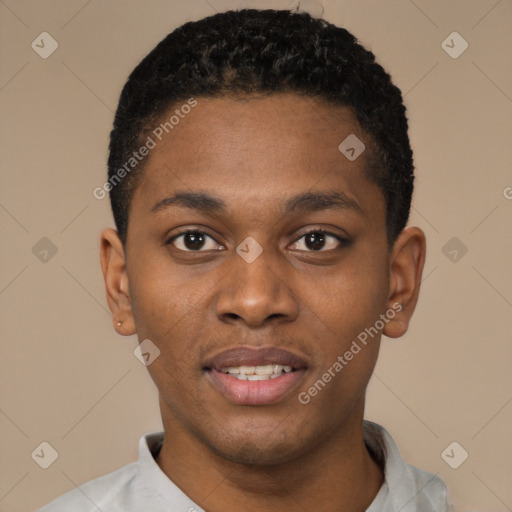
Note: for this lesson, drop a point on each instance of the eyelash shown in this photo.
(342, 241)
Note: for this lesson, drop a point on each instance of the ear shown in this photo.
(113, 265)
(406, 268)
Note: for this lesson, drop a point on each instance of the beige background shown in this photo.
(66, 378)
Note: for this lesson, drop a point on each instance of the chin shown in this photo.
(251, 454)
(260, 449)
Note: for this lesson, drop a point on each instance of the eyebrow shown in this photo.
(306, 202)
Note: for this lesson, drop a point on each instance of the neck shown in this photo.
(336, 474)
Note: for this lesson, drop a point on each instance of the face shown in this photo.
(252, 233)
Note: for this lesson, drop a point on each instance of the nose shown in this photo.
(258, 292)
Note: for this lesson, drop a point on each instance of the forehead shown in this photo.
(287, 125)
(257, 149)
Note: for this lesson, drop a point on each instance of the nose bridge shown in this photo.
(257, 287)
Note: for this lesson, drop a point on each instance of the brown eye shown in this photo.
(193, 241)
(318, 241)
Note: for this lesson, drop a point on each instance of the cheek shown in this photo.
(166, 312)
(349, 343)
(349, 309)
(352, 298)
(170, 309)
(161, 305)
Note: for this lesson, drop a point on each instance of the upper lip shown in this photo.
(251, 356)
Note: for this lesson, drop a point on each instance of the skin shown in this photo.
(255, 154)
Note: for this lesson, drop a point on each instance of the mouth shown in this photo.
(262, 372)
(255, 376)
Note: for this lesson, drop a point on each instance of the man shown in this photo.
(260, 176)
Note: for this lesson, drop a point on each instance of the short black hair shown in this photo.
(262, 52)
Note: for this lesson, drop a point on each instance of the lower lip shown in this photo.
(255, 392)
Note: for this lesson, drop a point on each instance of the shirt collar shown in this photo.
(155, 484)
(403, 482)
(409, 488)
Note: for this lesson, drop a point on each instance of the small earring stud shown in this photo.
(119, 322)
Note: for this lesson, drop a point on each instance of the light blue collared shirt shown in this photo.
(143, 486)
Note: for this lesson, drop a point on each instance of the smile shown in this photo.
(245, 375)
(263, 372)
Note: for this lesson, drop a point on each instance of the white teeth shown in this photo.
(263, 372)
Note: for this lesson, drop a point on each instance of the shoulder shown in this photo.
(129, 488)
(429, 491)
(410, 488)
(104, 493)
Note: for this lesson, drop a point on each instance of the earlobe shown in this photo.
(406, 268)
(113, 265)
